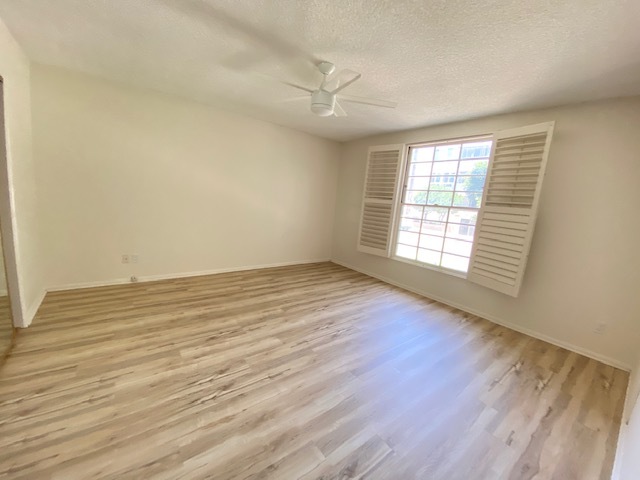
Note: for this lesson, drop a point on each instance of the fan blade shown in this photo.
(261, 39)
(334, 80)
(338, 111)
(295, 99)
(344, 84)
(270, 78)
(299, 87)
(368, 101)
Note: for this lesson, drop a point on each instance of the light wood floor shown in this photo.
(299, 372)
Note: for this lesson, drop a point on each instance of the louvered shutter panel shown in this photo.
(380, 199)
(510, 203)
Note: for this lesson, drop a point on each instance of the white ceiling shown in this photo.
(441, 60)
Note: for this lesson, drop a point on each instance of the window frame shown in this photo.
(404, 176)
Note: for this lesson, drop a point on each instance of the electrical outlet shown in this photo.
(134, 258)
(125, 258)
(600, 328)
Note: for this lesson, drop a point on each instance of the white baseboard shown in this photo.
(170, 276)
(505, 323)
(32, 310)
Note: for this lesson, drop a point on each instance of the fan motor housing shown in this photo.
(322, 103)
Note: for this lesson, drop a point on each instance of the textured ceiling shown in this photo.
(441, 60)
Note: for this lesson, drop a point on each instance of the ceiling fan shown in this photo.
(324, 99)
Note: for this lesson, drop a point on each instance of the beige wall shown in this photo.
(583, 266)
(186, 187)
(19, 212)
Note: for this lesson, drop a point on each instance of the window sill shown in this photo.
(447, 271)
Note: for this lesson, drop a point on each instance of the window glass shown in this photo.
(443, 193)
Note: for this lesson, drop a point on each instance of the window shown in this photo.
(441, 199)
(467, 206)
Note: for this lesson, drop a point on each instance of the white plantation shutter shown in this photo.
(380, 199)
(510, 203)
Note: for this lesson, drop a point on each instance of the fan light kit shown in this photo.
(324, 99)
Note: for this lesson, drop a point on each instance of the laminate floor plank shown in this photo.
(302, 372)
